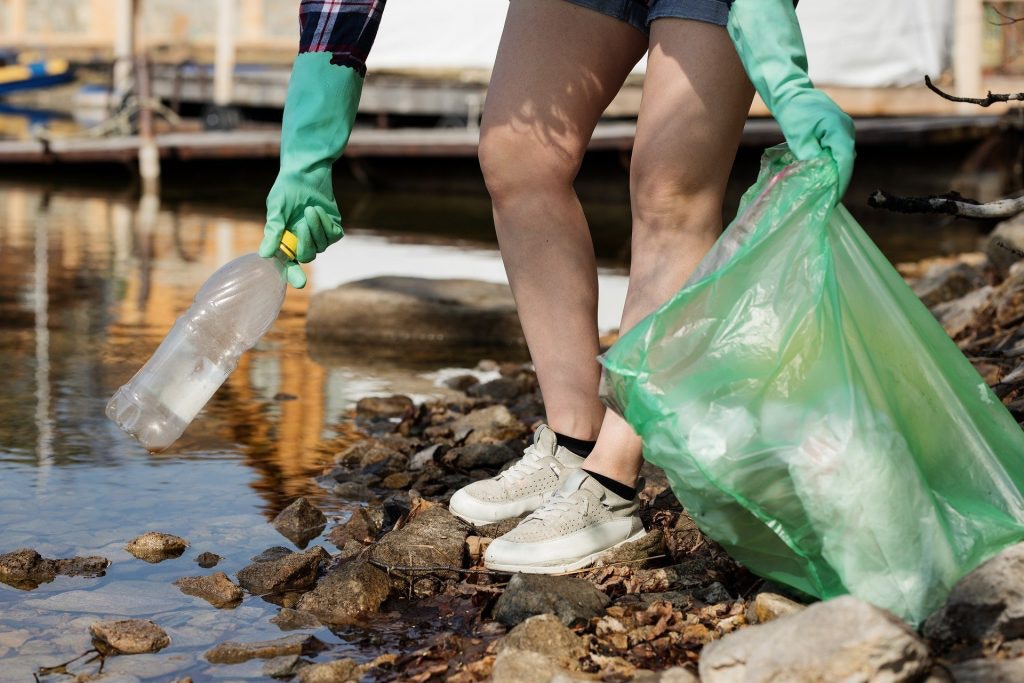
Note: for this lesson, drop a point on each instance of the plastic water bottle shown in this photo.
(231, 311)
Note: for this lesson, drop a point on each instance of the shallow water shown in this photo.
(89, 284)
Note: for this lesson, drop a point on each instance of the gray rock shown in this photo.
(844, 639)
(384, 312)
(284, 666)
(273, 553)
(217, 589)
(520, 666)
(26, 569)
(485, 455)
(713, 594)
(339, 671)
(295, 571)
(487, 425)
(420, 459)
(155, 546)
(1005, 245)
(957, 314)
(128, 637)
(461, 382)
(501, 389)
(433, 538)
(291, 620)
(989, 671)
(948, 281)
(355, 491)
(546, 635)
(676, 674)
(385, 407)
(363, 526)
(986, 604)
(232, 652)
(766, 607)
(637, 553)
(570, 599)
(363, 454)
(208, 560)
(300, 522)
(498, 529)
(347, 593)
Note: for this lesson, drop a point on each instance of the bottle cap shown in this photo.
(289, 244)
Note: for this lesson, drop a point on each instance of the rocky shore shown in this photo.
(672, 607)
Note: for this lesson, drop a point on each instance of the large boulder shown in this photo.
(986, 604)
(844, 639)
(401, 312)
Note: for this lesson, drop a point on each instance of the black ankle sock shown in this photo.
(578, 446)
(616, 487)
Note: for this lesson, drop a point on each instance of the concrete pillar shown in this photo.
(224, 55)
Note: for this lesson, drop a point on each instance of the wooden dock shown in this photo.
(446, 142)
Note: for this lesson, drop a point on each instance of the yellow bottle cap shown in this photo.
(289, 244)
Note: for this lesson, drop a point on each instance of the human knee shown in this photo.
(673, 197)
(515, 164)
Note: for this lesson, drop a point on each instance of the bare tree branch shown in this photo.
(991, 99)
(1008, 19)
(951, 204)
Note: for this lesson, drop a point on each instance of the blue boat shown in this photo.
(34, 75)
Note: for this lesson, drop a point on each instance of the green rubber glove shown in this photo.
(771, 47)
(318, 115)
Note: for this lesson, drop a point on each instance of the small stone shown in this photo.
(501, 389)
(300, 522)
(519, 666)
(713, 594)
(340, 671)
(677, 674)
(355, 491)
(1005, 245)
(208, 560)
(396, 481)
(568, 598)
(420, 459)
(291, 620)
(363, 526)
(546, 635)
(461, 382)
(82, 566)
(433, 538)
(363, 454)
(480, 455)
(346, 593)
(636, 554)
(128, 636)
(274, 553)
(284, 666)
(232, 652)
(844, 639)
(989, 671)
(945, 282)
(217, 589)
(487, 425)
(768, 606)
(499, 529)
(956, 315)
(385, 407)
(296, 571)
(26, 569)
(154, 546)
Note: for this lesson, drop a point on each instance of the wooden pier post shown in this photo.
(967, 39)
(124, 46)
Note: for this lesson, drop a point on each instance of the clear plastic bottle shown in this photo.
(231, 311)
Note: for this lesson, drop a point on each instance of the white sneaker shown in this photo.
(521, 488)
(581, 520)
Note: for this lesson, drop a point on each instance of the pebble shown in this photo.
(570, 599)
(155, 546)
(208, 560)
(129, 636)
(217, 589)
(300, 522)
(295, 571)
(232, 652)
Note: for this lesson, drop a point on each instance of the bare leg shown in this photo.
(695, 101)
(558, 67)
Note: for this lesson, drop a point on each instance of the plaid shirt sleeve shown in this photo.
(345, 28)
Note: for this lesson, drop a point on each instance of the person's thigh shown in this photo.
(695, 102)
(558, 67)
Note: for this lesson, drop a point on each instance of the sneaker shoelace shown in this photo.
(556, 506)
(527, 465)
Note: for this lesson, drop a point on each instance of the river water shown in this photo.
(90, 281)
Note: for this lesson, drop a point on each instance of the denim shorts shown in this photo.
(640, 13)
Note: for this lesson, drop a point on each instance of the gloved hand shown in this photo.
(319, 111)
(771, 47)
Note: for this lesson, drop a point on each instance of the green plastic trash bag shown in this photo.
(813, 416)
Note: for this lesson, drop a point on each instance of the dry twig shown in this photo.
(989, 100)
(952, 204)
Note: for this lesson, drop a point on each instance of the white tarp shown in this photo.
(867, 43)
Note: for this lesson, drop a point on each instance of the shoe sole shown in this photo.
(474, 522)
(560, 568)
